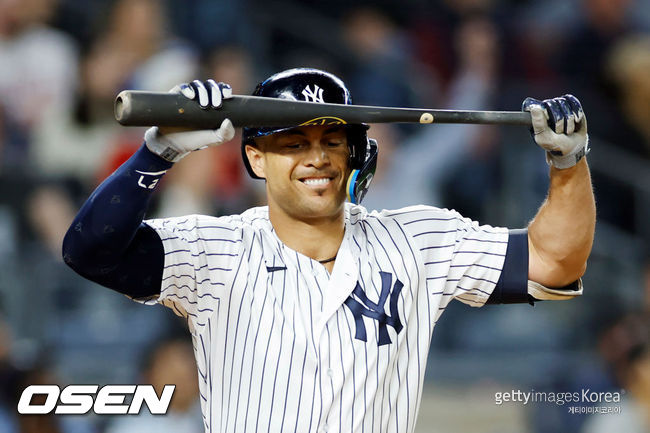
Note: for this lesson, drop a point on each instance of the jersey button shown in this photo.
(330, 373)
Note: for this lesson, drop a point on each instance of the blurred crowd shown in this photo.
(62, 62)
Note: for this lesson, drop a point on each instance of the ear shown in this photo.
(256, 160)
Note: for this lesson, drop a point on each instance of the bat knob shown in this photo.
(122, 106)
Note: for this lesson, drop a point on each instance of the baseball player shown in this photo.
(312, 314)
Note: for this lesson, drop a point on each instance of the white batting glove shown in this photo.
(174, 146)
(560, 128)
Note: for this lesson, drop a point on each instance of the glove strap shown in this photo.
(568, 161)
(162, 147)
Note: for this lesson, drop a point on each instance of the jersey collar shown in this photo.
(343, 279)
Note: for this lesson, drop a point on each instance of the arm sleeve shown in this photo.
(512, 287)
(108, 243)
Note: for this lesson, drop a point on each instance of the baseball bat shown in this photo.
(137, 108)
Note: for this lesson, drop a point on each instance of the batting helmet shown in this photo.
(314, 85)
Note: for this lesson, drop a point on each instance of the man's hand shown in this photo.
(560, 128)
(173, 144)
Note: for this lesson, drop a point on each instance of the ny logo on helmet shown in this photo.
(315, 95)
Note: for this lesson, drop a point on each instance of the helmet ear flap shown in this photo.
(357, 143)
(360, 178)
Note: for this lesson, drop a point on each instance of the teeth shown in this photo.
(319, 181)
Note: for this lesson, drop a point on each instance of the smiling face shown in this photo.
(306, 171)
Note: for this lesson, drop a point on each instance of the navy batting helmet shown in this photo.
(313, 85)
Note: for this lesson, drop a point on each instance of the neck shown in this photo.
(318, 238)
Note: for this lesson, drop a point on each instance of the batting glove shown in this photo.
(560, 128)
(174, 146)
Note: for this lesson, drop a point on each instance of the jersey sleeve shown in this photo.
(200, 256)
(462, 259)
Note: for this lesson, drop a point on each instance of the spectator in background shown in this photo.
(75, 143)
(171, 362)
(626, 348)
(583, 66)
(50, 211)
(628, 67)
(158, 59)
(8, 378)
(38, 74)
(601, 23)
(420, 169)
(136, 51)
(196, 20)
(214, 182)
(46, 423)
(155, 58)
(582, 60)
(14, 380)
(433, 30)
(384, 71)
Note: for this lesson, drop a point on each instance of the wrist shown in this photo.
(154, 157)
(569, 160)
(160, 146)
(150, 161)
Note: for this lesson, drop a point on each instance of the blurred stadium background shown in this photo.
(63, 61)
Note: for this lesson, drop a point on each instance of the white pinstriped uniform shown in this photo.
(277, 344)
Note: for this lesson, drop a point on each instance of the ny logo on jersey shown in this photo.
(315, 95)
(365, 307)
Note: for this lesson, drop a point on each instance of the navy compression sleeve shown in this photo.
(512, 287)
(108, 243)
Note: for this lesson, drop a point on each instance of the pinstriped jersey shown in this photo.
(283, 345)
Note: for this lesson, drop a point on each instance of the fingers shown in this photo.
(184, 89)
(226, 131)
(525, 106)
(226, 90)
(216, 98)
(538, 114)
(187, 91)
(564, 114)
(539, 118)
(212, 137)
(575, 105)
(202, 95)
(567, 114)
(555, 115)
(209, 94)
(578, 113)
